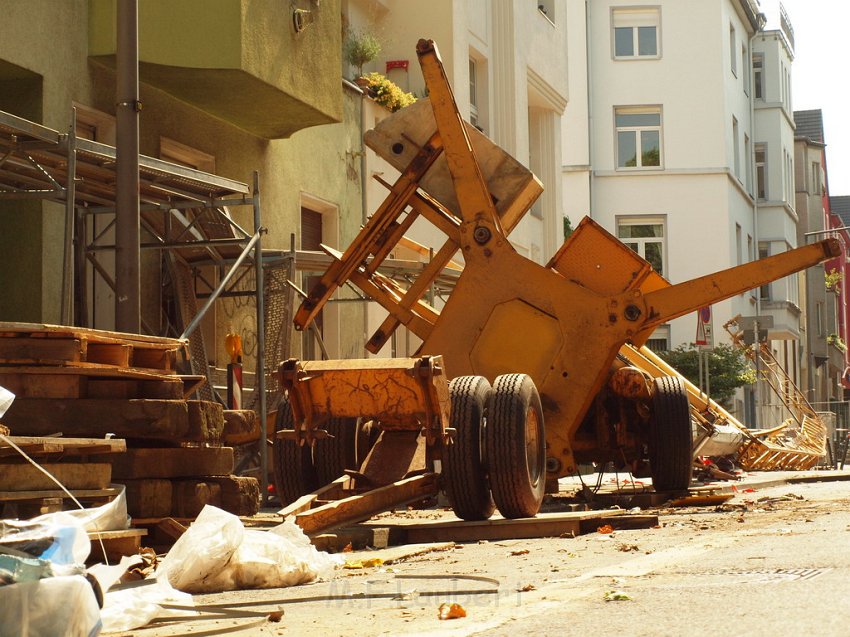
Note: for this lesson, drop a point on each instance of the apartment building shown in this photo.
(226, 87)
(507, 63)
(823, 300)
(689, 152)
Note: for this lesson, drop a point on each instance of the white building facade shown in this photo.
(507, 64)
(688, 155)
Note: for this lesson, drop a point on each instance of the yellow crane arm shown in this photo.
(680, 299)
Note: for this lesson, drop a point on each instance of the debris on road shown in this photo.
(616, 596)
(451, 611)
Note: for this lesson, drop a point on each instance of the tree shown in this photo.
(568, 227)
(727, 369)
(360, 48)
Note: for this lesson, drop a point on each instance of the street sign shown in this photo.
(705, 335)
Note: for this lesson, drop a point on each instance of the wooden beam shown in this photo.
(67, 446)
(158, 419)
(25, 477)
(178, 462)
(543, 525)
(360, 507)
(24, 350)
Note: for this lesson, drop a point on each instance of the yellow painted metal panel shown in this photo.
(504, 346)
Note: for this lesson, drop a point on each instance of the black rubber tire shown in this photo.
(332, 456)
(464, 473)
(515, 446)
(670, 436)
(294, 473)
(368, 432)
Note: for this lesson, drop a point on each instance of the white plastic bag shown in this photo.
(50, 607)
(216, 554)
(57, 537)
(111, 516)
(202, 552)
(6, 398)
(137, 606)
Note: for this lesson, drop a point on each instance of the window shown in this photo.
(748, 159)
(745, 67)
(816, 178)
(635, 33)
(761, 172)
(733, 50)
(177, 153)
(736, 148)
(738, 245)
(660, 339)
(95, 125)
(638, 137)
(646, 237)
(764, 252)
(758, 75)
(473, 94)
(478, 101)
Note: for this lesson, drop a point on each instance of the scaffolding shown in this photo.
(186, 214)
(800, 442)
(183, 211)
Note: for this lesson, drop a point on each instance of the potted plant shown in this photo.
(387, 93)
(359, 49)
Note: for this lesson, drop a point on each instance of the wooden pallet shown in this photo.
(52, 446)
(116, 544)
(36, 344)
(29, 503)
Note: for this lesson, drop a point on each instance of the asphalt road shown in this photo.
(774, 561)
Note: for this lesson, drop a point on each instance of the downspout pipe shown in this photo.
(589, 83)
(761, 20)
(127, 279)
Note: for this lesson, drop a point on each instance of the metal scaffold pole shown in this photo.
(261, 339)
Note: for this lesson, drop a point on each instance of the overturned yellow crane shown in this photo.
(532, 352)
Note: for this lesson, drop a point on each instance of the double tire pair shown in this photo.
(302, 469)
(498, 455)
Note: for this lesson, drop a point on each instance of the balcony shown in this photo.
(242, 62)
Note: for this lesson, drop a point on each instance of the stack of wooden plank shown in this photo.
(91, 383)
(78, 463)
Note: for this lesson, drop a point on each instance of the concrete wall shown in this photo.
(48, 40)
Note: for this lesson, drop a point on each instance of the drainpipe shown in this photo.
(127, 285)
(363, 199)
(752, 159)
(589, 82)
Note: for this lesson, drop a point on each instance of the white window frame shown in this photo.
(816, 179)
(473, 92)
(761, 147)
(479, 98)
(758, 76)
(736, 148)
(641, 242)
(638, 131)
(635, 18)
(733, 50)
(764, 252)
